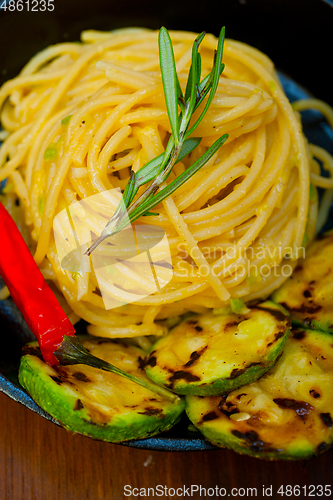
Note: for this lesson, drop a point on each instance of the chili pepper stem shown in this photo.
(72, 352)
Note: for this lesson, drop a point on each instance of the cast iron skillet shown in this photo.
(296, 34)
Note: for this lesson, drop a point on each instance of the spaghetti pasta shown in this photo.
(80, 117)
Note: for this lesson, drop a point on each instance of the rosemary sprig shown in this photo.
(72, 352)
(180, 110)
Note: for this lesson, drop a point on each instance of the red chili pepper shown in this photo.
(29, 290)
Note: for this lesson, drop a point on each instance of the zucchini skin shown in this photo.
(182, 360)
(286, 415)
(88, 401)
(308, 293)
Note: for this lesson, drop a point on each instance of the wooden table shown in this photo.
(41, 461)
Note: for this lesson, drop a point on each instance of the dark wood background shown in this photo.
(41, 461)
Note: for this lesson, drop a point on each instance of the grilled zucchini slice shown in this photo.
(308, 293)
(96, 403)
(212, 354)
(287, 414)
